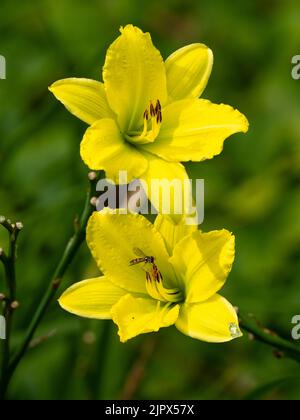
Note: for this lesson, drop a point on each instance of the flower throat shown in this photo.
(154, 280)
(152, 118)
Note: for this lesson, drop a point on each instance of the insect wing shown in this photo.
(139, 253)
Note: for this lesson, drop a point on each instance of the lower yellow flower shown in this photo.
(156, 276)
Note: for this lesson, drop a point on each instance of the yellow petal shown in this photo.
(113, 240)
(213, 321)
(135, 316)
(167, 182)
(173, 232)
(134, 74)
(195, 130)
(92, 298)
(104, 148)
(203, 262)
(188, 70)
(84, 98)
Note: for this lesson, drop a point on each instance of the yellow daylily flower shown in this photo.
(156, 276)
(147, 117)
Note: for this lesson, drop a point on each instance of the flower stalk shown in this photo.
(268, 337)
(9, 300)
(70, 251)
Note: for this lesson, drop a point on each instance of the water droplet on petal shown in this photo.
(234, 330)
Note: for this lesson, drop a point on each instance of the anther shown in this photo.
(146, 115)
(158, 106)
(152, 110)
(152, 120)
(159, 117)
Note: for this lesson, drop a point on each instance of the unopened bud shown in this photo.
(19, 225)
(92, 176)
(94, 201)
(15, 305)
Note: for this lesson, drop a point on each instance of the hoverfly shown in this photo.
(142, 258)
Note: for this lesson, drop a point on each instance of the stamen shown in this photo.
(152, 110)
(159, 117)
(152, 122)
(170, 295)
(151, 289)
(156, 289)
(158, 106)
(145, 129)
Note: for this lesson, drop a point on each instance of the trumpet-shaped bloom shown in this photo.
(156, 276)
(147, 117)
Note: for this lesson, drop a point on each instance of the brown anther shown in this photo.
(146, 115)
(152, 110)
(158, 107)
(159, 117)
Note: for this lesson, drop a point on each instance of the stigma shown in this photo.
(152, 120)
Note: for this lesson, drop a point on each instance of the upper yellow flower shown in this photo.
(175, 282)
(146, 117)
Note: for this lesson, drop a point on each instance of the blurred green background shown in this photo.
(251, 189)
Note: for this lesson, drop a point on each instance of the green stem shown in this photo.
(10, 301)
(285, 347)
(68, 255)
